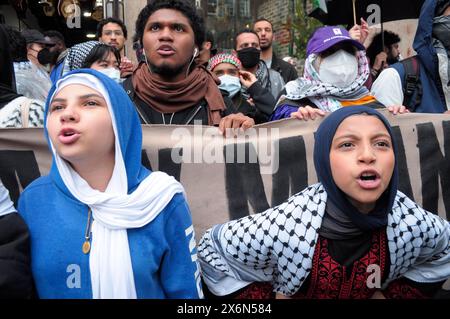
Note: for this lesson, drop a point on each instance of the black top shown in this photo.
(264, 103)
(287, 70)
(16, 280)
(197, 114)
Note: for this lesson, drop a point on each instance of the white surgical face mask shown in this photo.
(230, 83)
(339, 69)
(112, 73)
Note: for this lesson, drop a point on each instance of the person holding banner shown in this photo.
(353, 235)
(227, 67)
(101, 224)
(16, 280)
(15, 110)
(95, 55)
(421, 82)
(336, 69)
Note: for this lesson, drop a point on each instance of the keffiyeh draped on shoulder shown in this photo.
(278, 245)
(326, 96)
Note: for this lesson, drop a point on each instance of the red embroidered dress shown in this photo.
(330, 280)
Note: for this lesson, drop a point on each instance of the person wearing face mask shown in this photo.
(226, 67)
(321, 243)
(47, 58)
(336, 69)
(16, 109)
(248, 50)
(38, 49)
(168, 87)
(421, 83)
(93, 55)
(26, 74)
(105, 59)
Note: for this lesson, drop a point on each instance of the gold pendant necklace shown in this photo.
(87, 235)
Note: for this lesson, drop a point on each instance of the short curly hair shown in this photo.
(186, 8)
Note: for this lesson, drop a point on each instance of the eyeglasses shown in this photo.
(110, 32)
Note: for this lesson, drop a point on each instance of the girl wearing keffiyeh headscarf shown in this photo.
(353, 235)
(336, 69)
(94, 55)
(101, 224)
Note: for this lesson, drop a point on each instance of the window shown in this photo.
(212, 7)
(244, 6)
(229, 7)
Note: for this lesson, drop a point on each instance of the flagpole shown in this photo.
(382, 30)
(382, 26)
(354, 12)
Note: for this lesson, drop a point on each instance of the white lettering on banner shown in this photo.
(207, 146)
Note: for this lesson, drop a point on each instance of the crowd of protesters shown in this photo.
(128, 227)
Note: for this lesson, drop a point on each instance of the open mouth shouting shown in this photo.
(68, 136)
(369, 180)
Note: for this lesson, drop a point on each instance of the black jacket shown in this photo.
(264, 102)
(286, 70)
(262, 98)
(16, 280)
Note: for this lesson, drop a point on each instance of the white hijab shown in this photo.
(114, 211)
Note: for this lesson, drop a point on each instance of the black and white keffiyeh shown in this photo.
(12, 116)
(278, 245)
(262, 74)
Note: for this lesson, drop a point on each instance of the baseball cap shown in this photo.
(325, 37)
(34, 36)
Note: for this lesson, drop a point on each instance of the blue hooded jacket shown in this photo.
(162, 254)
(433, 100)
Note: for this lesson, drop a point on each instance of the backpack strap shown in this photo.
(412, 86)
(129, 89)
